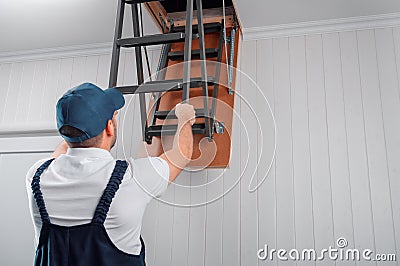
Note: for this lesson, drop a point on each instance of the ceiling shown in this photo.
(39, 24)
(277, 12)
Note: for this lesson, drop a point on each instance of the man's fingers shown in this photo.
(185, 112)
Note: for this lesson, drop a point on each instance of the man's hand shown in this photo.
(181, 153)
(185, 112)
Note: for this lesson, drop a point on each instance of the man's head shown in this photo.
(86, 116)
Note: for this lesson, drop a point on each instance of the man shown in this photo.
(87, 208)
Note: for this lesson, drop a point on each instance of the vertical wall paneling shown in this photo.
(65, 80)
(390, 102)
(396, 40)
(123, 74)
(214, 210)
(149, 226)
(248, 144)
(302, 182)
(197, 221)
(5, 75)
(180, 230)
(124, 118)
(103, 70)
(12, 93)
(135, 134)
(24, 93)
(163, 245)
(321, 179)
(394, 149)
(231, 187)
(375, 143)
(50, 87)
(18, 228)
(337, 140)
(36, 98)
(267, 191)
(117, 151)
(150, 223)
(128, 119)
(78, 75)
(284, 169)
(358, 164)
(91, 69)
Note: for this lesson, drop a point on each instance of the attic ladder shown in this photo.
(160, 85)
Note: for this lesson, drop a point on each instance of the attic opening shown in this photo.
(179, 6)
(198, 58)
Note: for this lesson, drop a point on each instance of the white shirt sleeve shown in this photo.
(151, 174)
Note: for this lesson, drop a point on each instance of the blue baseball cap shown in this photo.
(87, 108)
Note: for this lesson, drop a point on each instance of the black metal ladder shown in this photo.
(157, 87)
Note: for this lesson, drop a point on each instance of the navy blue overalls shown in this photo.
(86, 244)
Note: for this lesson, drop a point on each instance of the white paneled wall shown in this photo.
(336, 173)
(17, 243)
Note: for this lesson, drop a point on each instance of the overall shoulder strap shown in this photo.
(103, 206)
(37, 193)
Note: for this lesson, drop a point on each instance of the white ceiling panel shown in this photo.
(27, 24)
(260, 13)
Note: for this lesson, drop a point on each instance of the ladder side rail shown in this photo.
(187, 51)
(139, 70)
(217, 75)
(116, 47)
(203, 62)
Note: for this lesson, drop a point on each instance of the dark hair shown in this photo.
(74, 132)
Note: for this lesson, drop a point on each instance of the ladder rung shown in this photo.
(163, 85)
(198, 82)
(170, 114)
(208, 28)
(178, 55)
(163, 130)
(152, 39)
(131, 89)
(154, 86)
(160, 86)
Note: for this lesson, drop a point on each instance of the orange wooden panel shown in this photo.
(162, 19)
(205, 154)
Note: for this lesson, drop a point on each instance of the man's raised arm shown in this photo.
(180, 154)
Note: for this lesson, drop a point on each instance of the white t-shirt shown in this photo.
(74, 182)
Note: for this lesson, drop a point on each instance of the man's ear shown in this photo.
(110, 128)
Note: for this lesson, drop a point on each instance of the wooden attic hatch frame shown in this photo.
(207, 82)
